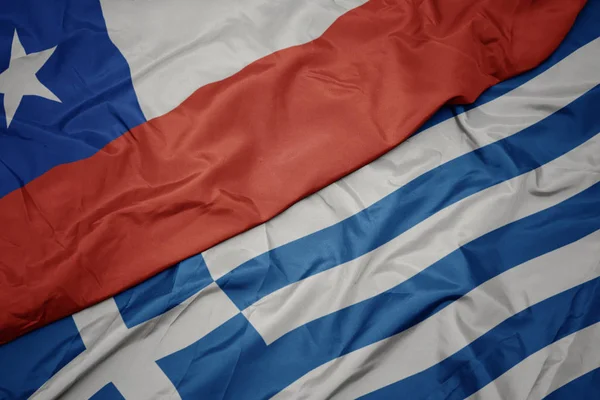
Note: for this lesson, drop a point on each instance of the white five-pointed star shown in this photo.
(20, 80)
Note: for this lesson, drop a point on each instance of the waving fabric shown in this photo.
(102, 188)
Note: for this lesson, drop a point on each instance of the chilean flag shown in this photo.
(137, 134)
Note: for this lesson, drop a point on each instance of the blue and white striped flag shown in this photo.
(465, 263)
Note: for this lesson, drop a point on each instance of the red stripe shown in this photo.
(239, 151)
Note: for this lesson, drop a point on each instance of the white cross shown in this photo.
(127, 357)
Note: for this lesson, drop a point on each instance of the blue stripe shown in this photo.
(233, 361)
(503, 347)
(108, 392)
(29, 361)
(163, 291)
(586, 387)
(415, 202)
(98, 102)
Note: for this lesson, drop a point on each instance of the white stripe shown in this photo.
(174, 47)
(425, 243)
(454, 327)
(127, 357)
(548, 369)
(486, 124)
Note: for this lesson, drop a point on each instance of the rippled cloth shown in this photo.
(113, 204)
(463, 263)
